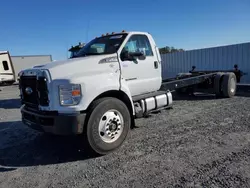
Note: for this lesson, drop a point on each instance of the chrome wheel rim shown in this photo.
(232, 85)
(111, 126)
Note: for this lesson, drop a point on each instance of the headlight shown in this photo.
(70, 94)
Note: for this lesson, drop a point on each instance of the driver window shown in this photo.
(138, 43)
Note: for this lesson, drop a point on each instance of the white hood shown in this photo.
(75, 67)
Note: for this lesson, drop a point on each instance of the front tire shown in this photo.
(108, 125)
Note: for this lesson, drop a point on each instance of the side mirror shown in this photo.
(131, 56)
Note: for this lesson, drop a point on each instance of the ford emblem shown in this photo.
(28, 90)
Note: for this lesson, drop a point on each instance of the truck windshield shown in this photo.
(102, 45)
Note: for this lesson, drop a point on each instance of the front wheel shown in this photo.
(108, 125)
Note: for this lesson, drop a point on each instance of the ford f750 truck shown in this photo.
(110, 82)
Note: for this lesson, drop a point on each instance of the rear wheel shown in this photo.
(217, 85)
(229, 85)
(108, 125)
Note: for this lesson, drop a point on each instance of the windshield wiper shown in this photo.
(93, 53)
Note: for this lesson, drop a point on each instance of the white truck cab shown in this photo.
(99, 92)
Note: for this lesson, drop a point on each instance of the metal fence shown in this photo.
(217, 58)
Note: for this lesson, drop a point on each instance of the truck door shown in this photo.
(142, 76)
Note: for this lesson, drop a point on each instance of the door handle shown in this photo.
(156, 64)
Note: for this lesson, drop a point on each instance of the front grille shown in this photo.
(29, 82)
(34, 91)
(42, 91)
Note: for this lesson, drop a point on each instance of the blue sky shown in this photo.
(31, 27)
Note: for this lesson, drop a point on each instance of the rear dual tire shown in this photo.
(107, 126)
(225, 85)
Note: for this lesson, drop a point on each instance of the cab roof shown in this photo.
(126, 32)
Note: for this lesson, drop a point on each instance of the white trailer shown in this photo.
(7, 72)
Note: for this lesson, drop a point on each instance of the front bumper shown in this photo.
(53, 122)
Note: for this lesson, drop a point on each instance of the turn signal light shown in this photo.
(76, 93)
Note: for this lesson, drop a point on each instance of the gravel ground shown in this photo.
(201, 142)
